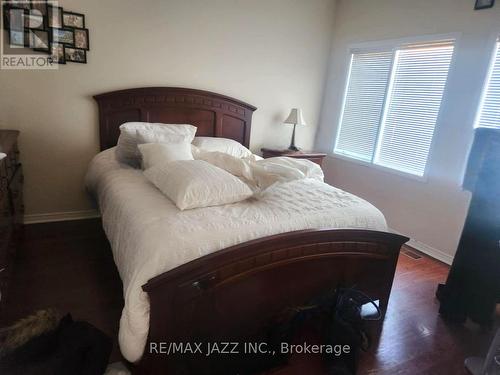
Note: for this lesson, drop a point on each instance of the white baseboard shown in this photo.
(60, 216)
(428, 250)
(432, 252)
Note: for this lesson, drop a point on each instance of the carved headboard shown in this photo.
(213, 114)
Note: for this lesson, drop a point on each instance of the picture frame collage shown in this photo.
(44, 26)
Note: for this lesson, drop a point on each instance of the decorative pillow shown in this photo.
(127, 151)
(158, 153)
(196, 183)
(147, 136)
(225, 145)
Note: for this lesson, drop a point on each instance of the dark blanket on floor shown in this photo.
(74, 347)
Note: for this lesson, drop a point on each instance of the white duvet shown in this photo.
(149, 235)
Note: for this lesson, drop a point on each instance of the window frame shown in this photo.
(351, 54)
(487, 79)
(383, 46)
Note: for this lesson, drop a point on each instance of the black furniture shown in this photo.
(11, 209)
(316, 157)
(473, 286)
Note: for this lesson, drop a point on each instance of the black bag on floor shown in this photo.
(335, 318)
(70, 348)
(346, 328)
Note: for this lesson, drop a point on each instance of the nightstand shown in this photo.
(315, 157)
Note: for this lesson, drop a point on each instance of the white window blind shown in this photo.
(392, 104)
(364, 101)
(413, 107)
(489, 115)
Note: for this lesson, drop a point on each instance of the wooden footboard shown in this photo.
(232, 294)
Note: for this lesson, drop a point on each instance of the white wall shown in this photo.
(270, 53)
(431, 212)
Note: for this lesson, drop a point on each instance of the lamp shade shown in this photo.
(295, 117)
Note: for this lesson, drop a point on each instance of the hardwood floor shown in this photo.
(415, 340)
(69, 266)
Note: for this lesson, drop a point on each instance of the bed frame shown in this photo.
(233, 294)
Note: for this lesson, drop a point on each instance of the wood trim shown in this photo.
(293, 154)
(214, 115)
(316, 157)
(161, 90)
(233, 294)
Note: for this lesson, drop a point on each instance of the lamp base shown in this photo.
(292, 142)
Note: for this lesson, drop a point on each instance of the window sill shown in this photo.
(391, 171)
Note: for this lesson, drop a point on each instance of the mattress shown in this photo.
(149, 235)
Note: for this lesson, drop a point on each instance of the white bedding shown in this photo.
(149, 235)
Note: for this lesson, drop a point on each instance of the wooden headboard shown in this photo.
(213, 114)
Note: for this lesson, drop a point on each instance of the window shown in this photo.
(489, 112)
(392, 103)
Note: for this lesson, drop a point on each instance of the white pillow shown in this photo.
(225, 145)
(127, 151)
(157, 153)
(196, 183)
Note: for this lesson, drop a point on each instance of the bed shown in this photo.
(220, 274)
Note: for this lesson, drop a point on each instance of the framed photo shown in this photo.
(76, 20)
(75, 55)
(39, 40)
(54, 16)
(23, 4)
(63, 36)
(56, 52)
(13, 18)
(32, 21)
(82, 39)
(484, 4)
(18, 38)
(40, 6)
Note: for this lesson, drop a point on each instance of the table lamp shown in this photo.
(295, 117)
